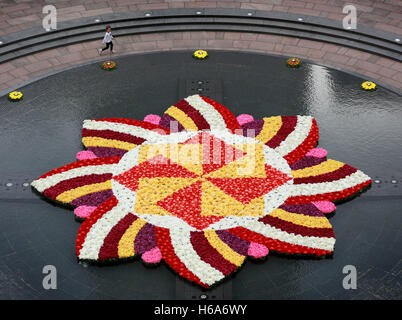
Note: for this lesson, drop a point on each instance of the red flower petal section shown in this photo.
(107, 137)
(291, 136)
(199, 113)
(77, 180)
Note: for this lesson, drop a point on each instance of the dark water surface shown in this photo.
(42, 132)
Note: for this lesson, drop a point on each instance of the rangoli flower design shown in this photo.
(202, 189)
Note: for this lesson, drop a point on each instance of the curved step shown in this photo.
(172, 20)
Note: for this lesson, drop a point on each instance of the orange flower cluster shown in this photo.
(293, 62)
(109, 65)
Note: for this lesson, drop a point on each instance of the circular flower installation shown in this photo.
(369, 86)
(293, 62)
(201, 189)
(15, 96)
(109, 65)
(200, 54)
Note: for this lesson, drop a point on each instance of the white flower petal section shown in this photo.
(187, 255)
(169, 222)
(231, 222)
(276, 197)
(268, 231)
(98, 232)
(125, 196)
(275, 160)
(211, 115)
(50, 181)
(309, 189)
(297, 136)
(122, 128)
(129, 160)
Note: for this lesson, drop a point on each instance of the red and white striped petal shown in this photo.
(329, 180)
(291, 136)
(304, 225)
(185, 251)
(78, 179)
(112, 233)
(115, 136)
(277, 240)
(291, 229)
(201, 256)
(196, 113)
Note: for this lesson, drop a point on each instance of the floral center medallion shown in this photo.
(201, 180)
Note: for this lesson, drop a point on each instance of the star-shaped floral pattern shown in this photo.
(202, 189)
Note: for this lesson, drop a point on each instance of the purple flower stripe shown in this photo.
(233, 241)
(145, 239)
(307, 162)
(307, 209)
(92, 199)
(254, 125)
(102, 152)
(166, 123)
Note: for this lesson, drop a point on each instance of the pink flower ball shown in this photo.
(152, 118)
(257, 250)
(317, 152)
(85, 155)
(84, 211)
(244, 118)
(152, 256)
(325, 206)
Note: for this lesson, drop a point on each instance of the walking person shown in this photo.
(107, 39)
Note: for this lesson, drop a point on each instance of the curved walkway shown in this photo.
(17, 15)
(384, 69)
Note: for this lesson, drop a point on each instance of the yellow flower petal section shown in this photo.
(250, 165)
(270, 128)
(152, 190)
(187, 155)
(302, 220)
(254, 208)
(102, 142)
(126, 243)
(227, 252)
(182, 118)
(322, 168)
(72, 194)
(215, 202)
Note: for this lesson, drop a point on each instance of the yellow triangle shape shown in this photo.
(250, 165)
(215, 202)
(152, 190)
(188, 156)
(254, 208)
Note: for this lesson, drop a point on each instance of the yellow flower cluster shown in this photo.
(70, 195)
(126, 243)
(15, 96)
(322, 168)
(300, 219)
(200, 54)
(227, 252)
(369, 86)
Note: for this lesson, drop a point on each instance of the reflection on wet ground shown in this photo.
(42, 132)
